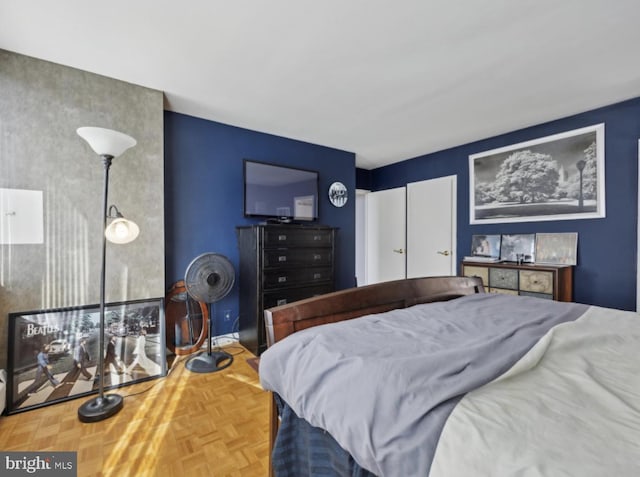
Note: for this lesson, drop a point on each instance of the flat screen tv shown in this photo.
(280, 193)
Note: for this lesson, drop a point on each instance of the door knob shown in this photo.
(398, 250)
(445, 253)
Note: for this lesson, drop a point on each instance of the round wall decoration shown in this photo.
(338, 194)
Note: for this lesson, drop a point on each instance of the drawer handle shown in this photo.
(317, 237)
(317, 256)
(282, 279)
(282, 258)
(317, 275)
(281, 301)
(282, 237)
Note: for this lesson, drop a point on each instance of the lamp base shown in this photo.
(100, 408)
(209, 362)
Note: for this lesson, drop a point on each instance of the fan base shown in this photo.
(100, 408)
(209, 362)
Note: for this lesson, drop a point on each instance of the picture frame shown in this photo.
(486, 246)
(519, 248)
(59, 337)
(557, 248)
(557, 177)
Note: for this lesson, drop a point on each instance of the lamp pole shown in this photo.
(102, 407)
(106, 160)
(580, 165)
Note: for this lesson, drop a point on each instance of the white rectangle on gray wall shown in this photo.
(21, 217)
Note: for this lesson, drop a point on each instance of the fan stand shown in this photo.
(209, 278)
(210, 361)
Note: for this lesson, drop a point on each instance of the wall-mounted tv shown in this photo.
(280, 192)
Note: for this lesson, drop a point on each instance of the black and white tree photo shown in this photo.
(553, 178)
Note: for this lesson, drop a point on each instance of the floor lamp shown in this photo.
(108, 144)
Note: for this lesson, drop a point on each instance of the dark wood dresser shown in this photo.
(280, 264)
(554, 282)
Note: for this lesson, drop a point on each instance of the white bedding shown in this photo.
(569, 407)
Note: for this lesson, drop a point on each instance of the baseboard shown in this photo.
(224, 340)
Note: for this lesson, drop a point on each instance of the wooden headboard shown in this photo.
(284, 320)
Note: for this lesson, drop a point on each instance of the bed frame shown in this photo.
(284, 320)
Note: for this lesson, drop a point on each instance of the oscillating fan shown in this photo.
(209, 278)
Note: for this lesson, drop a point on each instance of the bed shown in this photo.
(432, 376)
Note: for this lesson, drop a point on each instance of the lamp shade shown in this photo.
(122, 231)
(106, 142)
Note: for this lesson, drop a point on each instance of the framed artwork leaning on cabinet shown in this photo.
(518, 248)
(557, 248)
(485, 246)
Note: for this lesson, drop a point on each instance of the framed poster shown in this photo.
(518, 248)
(53, 354)
(558, 248)
(559, 177)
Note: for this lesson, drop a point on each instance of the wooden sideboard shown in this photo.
(554, 282)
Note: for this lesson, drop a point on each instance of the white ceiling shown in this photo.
(388, 80)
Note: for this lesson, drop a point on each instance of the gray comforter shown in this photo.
(383, 385)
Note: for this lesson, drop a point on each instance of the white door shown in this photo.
(385, 235)
(638, 246)
(361, 235)
(431, 227)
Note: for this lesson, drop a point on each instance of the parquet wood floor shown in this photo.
(186, 424)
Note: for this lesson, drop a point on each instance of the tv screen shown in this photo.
(280, 192)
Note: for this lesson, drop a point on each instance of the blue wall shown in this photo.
(204, 195)
(606, 270)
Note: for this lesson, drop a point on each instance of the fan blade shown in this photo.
(209, 277)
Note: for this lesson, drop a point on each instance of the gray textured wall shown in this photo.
(41, 106)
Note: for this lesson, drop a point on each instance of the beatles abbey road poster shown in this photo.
(54, 355)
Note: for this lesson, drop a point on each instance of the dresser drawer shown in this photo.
(544, 296)
(536, 281)
(282, 297)
(503, 291)
(481, 272)
(297, 257)
(503, 278)
(295, 276)
(295, 236)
